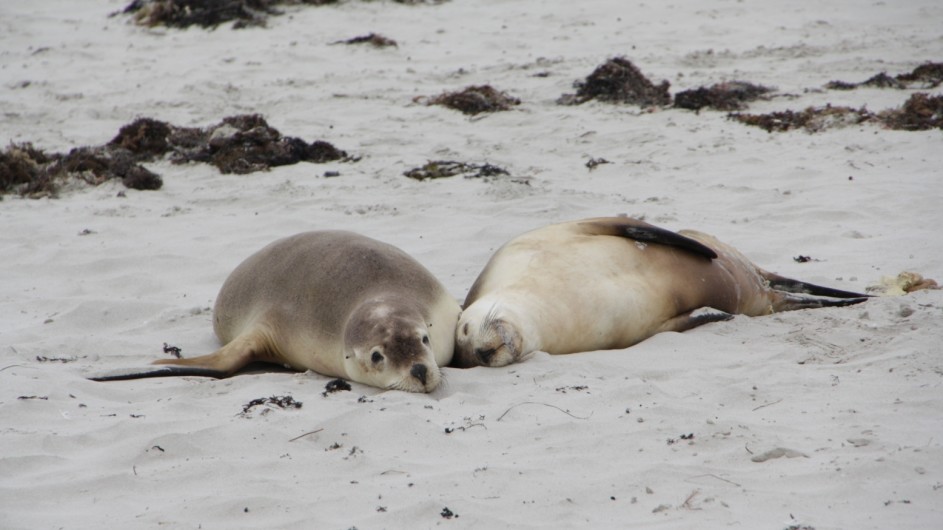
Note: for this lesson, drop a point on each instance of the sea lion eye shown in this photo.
(425, 339)
(465, 329)
(376, 357)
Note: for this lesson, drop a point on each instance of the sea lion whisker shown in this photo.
(490, 317)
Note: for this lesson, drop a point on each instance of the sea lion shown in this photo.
(611, 282)
(335, 302)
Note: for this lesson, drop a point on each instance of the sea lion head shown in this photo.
(487, 335)
(387, 345)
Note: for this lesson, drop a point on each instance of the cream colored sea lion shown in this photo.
(609, 283)
(334, 302)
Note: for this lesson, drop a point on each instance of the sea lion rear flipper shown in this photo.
(788, 285)
(222, 363)
(645, 233)
(791, 302)
(155, 371)
(693, 319)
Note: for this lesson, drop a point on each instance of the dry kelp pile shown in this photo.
(474, 100)
(239, 144)
(212, 13)
(436, 169)
(203, 13)
(928, 75)
(730, 95)
(33, 173)
(618, 81)
(812, 119)
(282, 402)
(920, 112)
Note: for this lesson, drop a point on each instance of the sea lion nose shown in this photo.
(485, 355)
(419, 371)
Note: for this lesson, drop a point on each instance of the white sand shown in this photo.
(589, 440)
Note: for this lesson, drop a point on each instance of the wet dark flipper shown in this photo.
(693, 319)
(222, 363)
(646, 233)
(157, 371)
(799, 287)
(793, 302)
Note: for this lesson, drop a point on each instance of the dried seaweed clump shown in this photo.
(239, 144)
(283, 402)
(212, 13)
(21, 169)
(146, 138)
(436, 169)
(33, 173)
(618, 81)
(335, 385)
(811, 119)
(203, 13)
(920, 112)
(475, 100)
(246, 143)
(374, 39)
(730, 95)
(928, 75)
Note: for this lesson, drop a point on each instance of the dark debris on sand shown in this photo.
(336, 385)
(618, 81)
(33, 173)
(283, 402)
(436, 169)
(239, 144)
(730, 95)
(812, 119)
(374, 39)
(928, 75)
(245, 144)
(208, 13)
(920, 112)
(475, 100)
(212, 13)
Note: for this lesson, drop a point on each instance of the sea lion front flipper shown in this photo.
(693, 319)
(645, 233)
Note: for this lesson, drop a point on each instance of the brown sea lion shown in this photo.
(335, 302)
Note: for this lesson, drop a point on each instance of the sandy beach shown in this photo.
(820, 419)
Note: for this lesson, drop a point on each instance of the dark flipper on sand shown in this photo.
(224, 362)
(789, 285)
(646, 233)
(693, 319)
(156, 371)
(792, 302)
